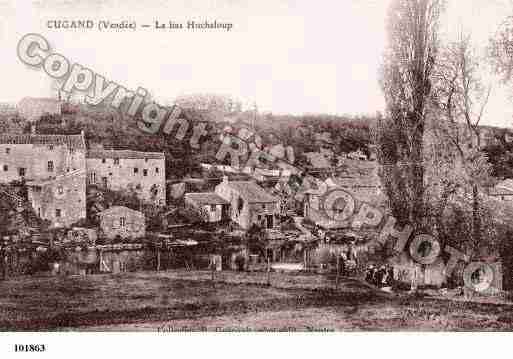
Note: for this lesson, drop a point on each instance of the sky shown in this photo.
(287, 56)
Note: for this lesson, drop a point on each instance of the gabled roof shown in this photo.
(120, 209)
(72, 141)
(251, 192)
(124, 154)
(203, 198)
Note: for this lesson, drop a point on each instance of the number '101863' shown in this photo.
(26, 348)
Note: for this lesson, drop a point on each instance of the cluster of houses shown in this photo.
(58, 168)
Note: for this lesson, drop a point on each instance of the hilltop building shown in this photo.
(32, 108)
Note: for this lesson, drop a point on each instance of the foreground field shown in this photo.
(189, 301)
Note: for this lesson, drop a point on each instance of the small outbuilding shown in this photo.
(123, 222)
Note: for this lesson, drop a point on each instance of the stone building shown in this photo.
(249, 203)
(123, 222)
(54, 168)
(37, 157)
(144, 172)
(212, 207)
(32, 108)
(61, 200)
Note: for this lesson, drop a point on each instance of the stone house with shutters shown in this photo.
(143, 172)
(123, 222)
(249, 204)
(39, 157)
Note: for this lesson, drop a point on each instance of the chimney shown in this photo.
(32, 129)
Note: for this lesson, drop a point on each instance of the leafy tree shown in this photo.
(461, 97)
(406, 80)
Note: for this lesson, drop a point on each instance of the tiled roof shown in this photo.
(120, 209)
(72, 141)
(124, 154)
(252, 192)
(202, 198)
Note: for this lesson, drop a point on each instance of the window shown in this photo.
(156, 170)
(21, 171)
(136, 170)
(6, 168)
(145, 172)
(58, 213)
(110, 173)
(116, 161)
(104, 181)
(122, 221)
(50, 166)
(146, 160)
(104, 160)
(50, 147)
(7, 150)
(212, 208)
(93, 177)
(60, 190)
(240, 204)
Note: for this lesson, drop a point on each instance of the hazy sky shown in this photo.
(289, 56)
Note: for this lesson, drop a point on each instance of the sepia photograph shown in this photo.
(286, 166)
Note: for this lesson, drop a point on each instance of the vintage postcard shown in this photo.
(255, 166)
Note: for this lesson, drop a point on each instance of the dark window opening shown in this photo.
(58, 213)
(270, 221)
(145, 173)
(136, 170)
(50, 166)
(240, 204)
(21, 171)
(6, 168)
